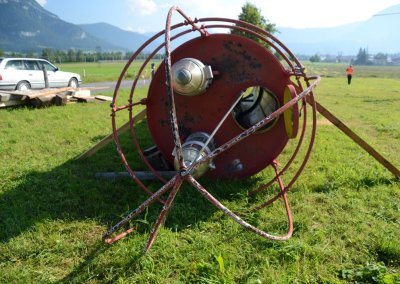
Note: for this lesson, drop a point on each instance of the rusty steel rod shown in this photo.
(234, 216)
(170, 91)
(190, 168)
(290, 161)
(164, 212)
(303, 164)
(132, 128)
(256, 126)
(358, 140)
(106, 236)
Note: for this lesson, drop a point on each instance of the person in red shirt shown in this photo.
(349, 72)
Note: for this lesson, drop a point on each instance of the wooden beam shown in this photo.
(60, 99)
(30, 94)
(42, 101)
(106, 140)
(346, 130)
(104, 98)
(11, 103)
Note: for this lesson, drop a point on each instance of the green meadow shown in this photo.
(106, 71)
(345, 205)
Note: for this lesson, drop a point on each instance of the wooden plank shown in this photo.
(31, 94)
(60, 99)
(12, 103)
(81, 94)
(54, 91)
(42, 101)
(106, 140)
(353, 136)
(44, 92)
(86, 99)
(15, 95)
(4, 97)
(104, 98)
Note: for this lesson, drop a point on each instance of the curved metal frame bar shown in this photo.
(296, 69)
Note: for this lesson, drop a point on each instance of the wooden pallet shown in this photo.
(46, 97)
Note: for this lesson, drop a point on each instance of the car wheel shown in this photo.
(73, 83)
(23, 86)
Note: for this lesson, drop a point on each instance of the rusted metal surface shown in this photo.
(238, 63)
(241, 64)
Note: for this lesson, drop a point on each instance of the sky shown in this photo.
(149, 15)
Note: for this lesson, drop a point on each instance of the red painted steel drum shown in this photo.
(238, 64)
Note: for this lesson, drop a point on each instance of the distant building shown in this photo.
(395, 60)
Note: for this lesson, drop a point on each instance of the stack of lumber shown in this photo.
(46, 97)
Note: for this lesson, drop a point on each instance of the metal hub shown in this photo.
(190, 77)
(241, 64)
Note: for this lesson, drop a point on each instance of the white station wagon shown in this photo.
(26, 73)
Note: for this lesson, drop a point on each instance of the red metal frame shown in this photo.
(295, 70)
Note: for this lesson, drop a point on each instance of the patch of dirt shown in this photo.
(323, 121)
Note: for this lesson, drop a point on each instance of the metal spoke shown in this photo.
(190, 168)
(235, 217)
(136, 212)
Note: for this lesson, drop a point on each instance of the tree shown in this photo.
(30, 54)
(381, 56)
(1, 53)
(80, 56)
(48, 54)
(60, 56)
(71, 55)
(315, 58)
(251, 14)
(362, 57)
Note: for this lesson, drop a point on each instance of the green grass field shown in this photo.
(346, 206)
(106, 71)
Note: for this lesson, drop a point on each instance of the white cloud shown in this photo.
(42, 2)
(139, 30)
(220, 8)
(143, 7)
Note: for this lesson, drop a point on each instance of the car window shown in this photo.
(15, 65)
(31, 65)
(48, 66)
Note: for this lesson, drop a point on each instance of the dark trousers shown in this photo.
(349, 79)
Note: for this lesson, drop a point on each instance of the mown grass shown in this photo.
(339, 70)
(110, 70)
(106, 71)
(345, 205)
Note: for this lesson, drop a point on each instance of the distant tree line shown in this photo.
(61, 56)
(362, 58)
(71, 55)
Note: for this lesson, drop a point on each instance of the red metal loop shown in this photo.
(294, 69)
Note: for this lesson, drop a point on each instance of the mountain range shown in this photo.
(380, 33)
(27, 26)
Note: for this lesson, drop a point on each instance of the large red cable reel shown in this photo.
(220, 106)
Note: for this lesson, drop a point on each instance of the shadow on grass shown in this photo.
(71, 192)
